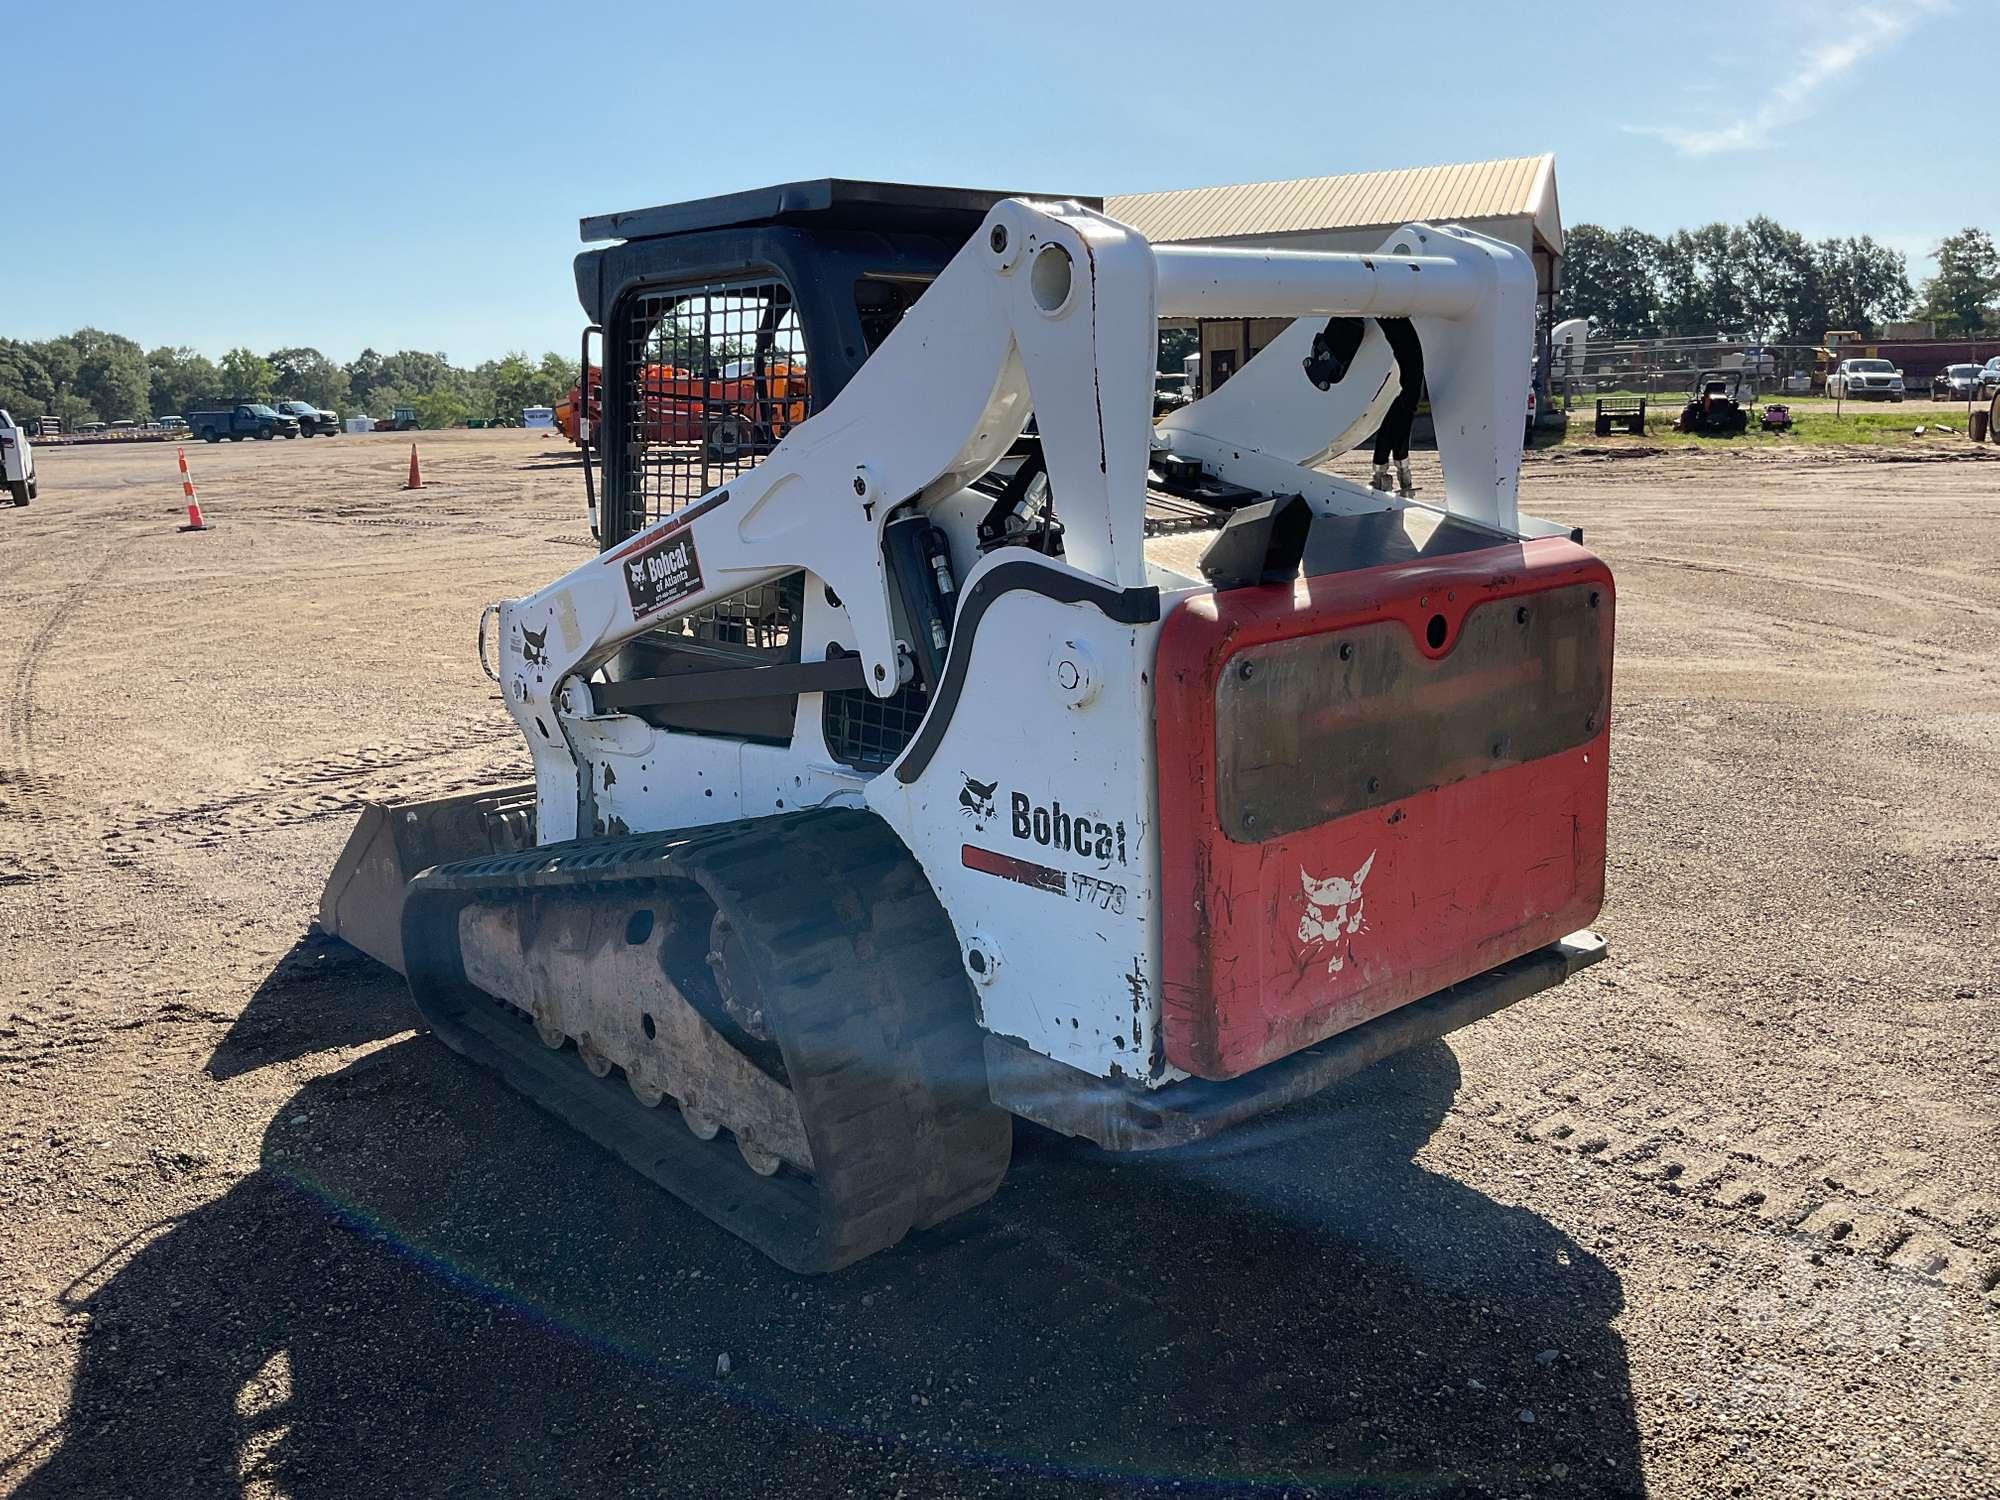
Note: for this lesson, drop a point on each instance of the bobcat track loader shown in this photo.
(965, 745)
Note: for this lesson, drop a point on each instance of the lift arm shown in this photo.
(1049, 308)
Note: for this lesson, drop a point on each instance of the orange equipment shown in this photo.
(732, 416)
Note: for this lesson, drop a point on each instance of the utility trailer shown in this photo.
(1616, 412)
(979, 748)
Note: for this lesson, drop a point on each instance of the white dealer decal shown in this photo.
(1333, 914)
(665, 573)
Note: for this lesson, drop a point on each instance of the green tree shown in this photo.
(1862, 286)
(1779, 280)
(1683, 292)
(182, 381)
(1714, 250)
(500, 388)
(248, 376)
(680, 342)
(1175, 345)
(1964, 297)
(364, 379)
(74, 410)
(308, 375)
(559, 377)
(440, 408)
(26, 388)
(48, 371)
(421, 373)
(59, 358)
(111, 374)
(515, 383)
(1608, 277)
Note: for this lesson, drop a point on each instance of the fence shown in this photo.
(1670, 365)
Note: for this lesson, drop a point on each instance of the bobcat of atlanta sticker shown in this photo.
(665, 573)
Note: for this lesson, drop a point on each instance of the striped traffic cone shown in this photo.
(194, 520)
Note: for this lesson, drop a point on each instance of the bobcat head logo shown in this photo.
(975, 801)
(1333, 914)
(638, 571)
(531, 646)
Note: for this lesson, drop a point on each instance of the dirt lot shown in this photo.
(1721, 1216)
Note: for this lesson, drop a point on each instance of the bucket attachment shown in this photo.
(363, 900)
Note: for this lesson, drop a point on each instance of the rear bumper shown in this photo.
(1124, 1116)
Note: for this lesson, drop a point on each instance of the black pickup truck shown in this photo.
(246, 419)
(312, 419)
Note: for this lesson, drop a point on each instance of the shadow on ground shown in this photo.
(319, 996)
(430, 1288)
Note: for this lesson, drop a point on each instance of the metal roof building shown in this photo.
(1513, 199)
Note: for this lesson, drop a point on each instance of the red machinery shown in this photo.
(737, 414)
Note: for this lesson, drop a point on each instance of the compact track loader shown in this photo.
(964, 744)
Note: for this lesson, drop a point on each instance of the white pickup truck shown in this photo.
(17, 461)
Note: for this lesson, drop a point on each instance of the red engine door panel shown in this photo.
(1374, 784)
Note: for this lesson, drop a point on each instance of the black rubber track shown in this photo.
(863, 987)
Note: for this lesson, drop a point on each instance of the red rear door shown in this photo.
(1374, 784)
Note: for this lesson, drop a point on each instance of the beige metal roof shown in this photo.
(1517, 187)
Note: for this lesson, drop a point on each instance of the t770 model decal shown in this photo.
(1333, 914)
(1086, 890)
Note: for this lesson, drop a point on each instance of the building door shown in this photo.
(1221, 365)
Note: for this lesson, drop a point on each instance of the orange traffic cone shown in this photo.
(194, 520)
(416, 480)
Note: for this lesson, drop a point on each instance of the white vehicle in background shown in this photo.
(1865, 380)
(17, 461)
(1955, 383)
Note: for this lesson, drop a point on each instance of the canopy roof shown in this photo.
(1516, 188)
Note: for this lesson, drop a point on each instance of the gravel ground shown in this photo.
(1720, 1216)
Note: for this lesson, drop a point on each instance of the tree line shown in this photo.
(1764, 281)
(94, 376)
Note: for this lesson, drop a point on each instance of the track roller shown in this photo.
(789, 983)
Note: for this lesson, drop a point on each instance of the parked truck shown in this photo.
(17, 461)
(312, 420)
(246, 419)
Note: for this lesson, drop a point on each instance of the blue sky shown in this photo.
(411, 176)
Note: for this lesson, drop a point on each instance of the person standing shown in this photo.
(1392, 438)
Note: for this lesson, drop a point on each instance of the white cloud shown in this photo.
(1862, 30)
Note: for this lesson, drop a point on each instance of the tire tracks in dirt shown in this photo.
(323, 787)
(1888, 1206)
(1830, 583)
(29, 796)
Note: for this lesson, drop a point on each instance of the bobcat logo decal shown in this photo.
(532, 643)
(1333, 914)
(975, 801)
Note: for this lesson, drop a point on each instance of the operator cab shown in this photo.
(726, 322)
